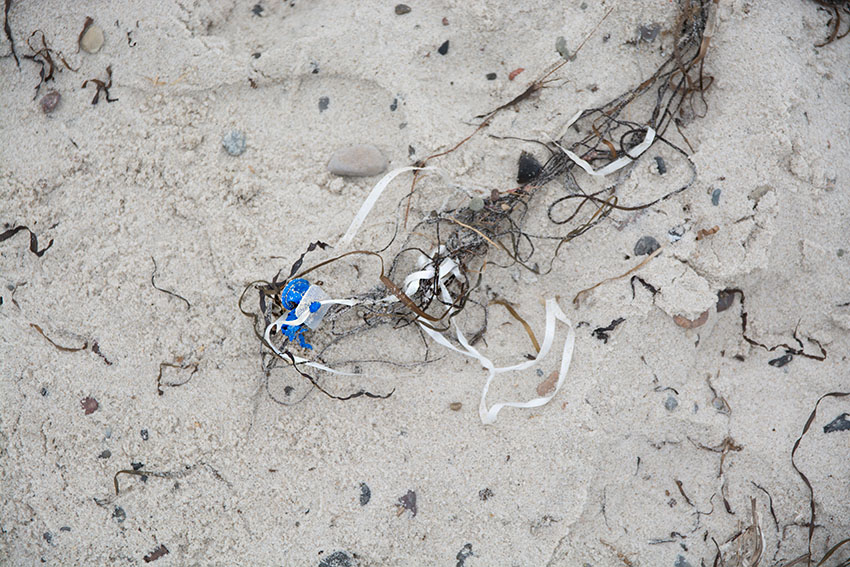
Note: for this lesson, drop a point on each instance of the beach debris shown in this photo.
(10, 232)
(703, 232)
(515, 73)
(119, 514)
(662, 167)
(402, 9)
(464, 554)
(715, 197)
(781, 361)
(323, 103)
(362, 160)
(7, 29)
(584, 292)
(407, 502)
(490, 76)
(337, 559)
(671, 403)
(649, 287)
(365, 494)
(648, 32)
(444, 48)
(686, 323)
(527, 168)
(179, 365)
(91, 38)
(46, 57)
(171, 293)
(90, 405)
(840, 423)
(455, 406)
(102, 86)
(834, 20)
(485, 494)
(156, 554)
(50, 101)
(646, 245)
(718, 402)
(234, 142)
(604, 333)
(725, 299)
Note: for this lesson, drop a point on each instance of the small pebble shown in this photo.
(662, 167)
(44, 392)
(715, 197)
(445, 21)
(50, 101)
(464, 554)
(337, 559)
(485, 494)
(92, 39)
(781, 361)
(443, 49)
(681, 562)
(144, 434)
(402, 9)
(365, 494)
(646, 245)
(491, 76)
(583, 6)
(364, 160)
(561, 48)
(840, 423)
(234, 142)
(90, 405)
(648, 33)
(257, 10)
(48, 537)
(671, 403)
(323, 103)
(476, 204)
(725, 299)
(105, 454)
(408, 502)
(394, 105)
(119, 514)
(527, 168)
(455, 406)
(841, 252)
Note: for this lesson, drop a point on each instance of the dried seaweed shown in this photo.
(604, 333)
(835, 20)
(102, 86)
(46, 57)
(179, 366)
(8, 30)
(58, 346)
(171, 293)
(156, 554)
(7, 234)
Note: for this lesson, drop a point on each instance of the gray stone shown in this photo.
(364, 160)
(337, 559)
(50, 101)
(476, 204)
(92, 39)
(715, 197)
(646, 245)
(234, 142)
(671, 403)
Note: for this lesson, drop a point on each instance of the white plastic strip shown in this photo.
(488, 415)
(370, 201)
(618, 163)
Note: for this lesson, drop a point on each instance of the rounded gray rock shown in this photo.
(364, 160)
(234, 142)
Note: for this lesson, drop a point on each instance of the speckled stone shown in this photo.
(234, 142)
(50, 101)
(92, 39)
(364, 160)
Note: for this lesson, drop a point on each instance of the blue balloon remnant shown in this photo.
(290, 297)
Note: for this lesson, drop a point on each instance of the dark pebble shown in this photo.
(90, 405)
(288, 390)
(44, 392)
(840, 423)
(715, 197)
(144, 434)
(48, 537)
(491, 76)
(646, 245)
(443, 49)
(402, 9)
(137, 466)
(256, 55)
(365, 494)
(337, 558)
(527, 168)
(323, 103)
(105, 454)
(119, 514)
(411, 151)
(662, 167)
(782, 360)
(257, 10)
(650, 32)
(725, 299)
(50, 101)
(408, 502)
(65, 529)
(463, 554)
(681, 562)
(671, 403)
(485, 494)
(394, 105)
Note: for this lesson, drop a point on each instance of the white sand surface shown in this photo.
(605, 474)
